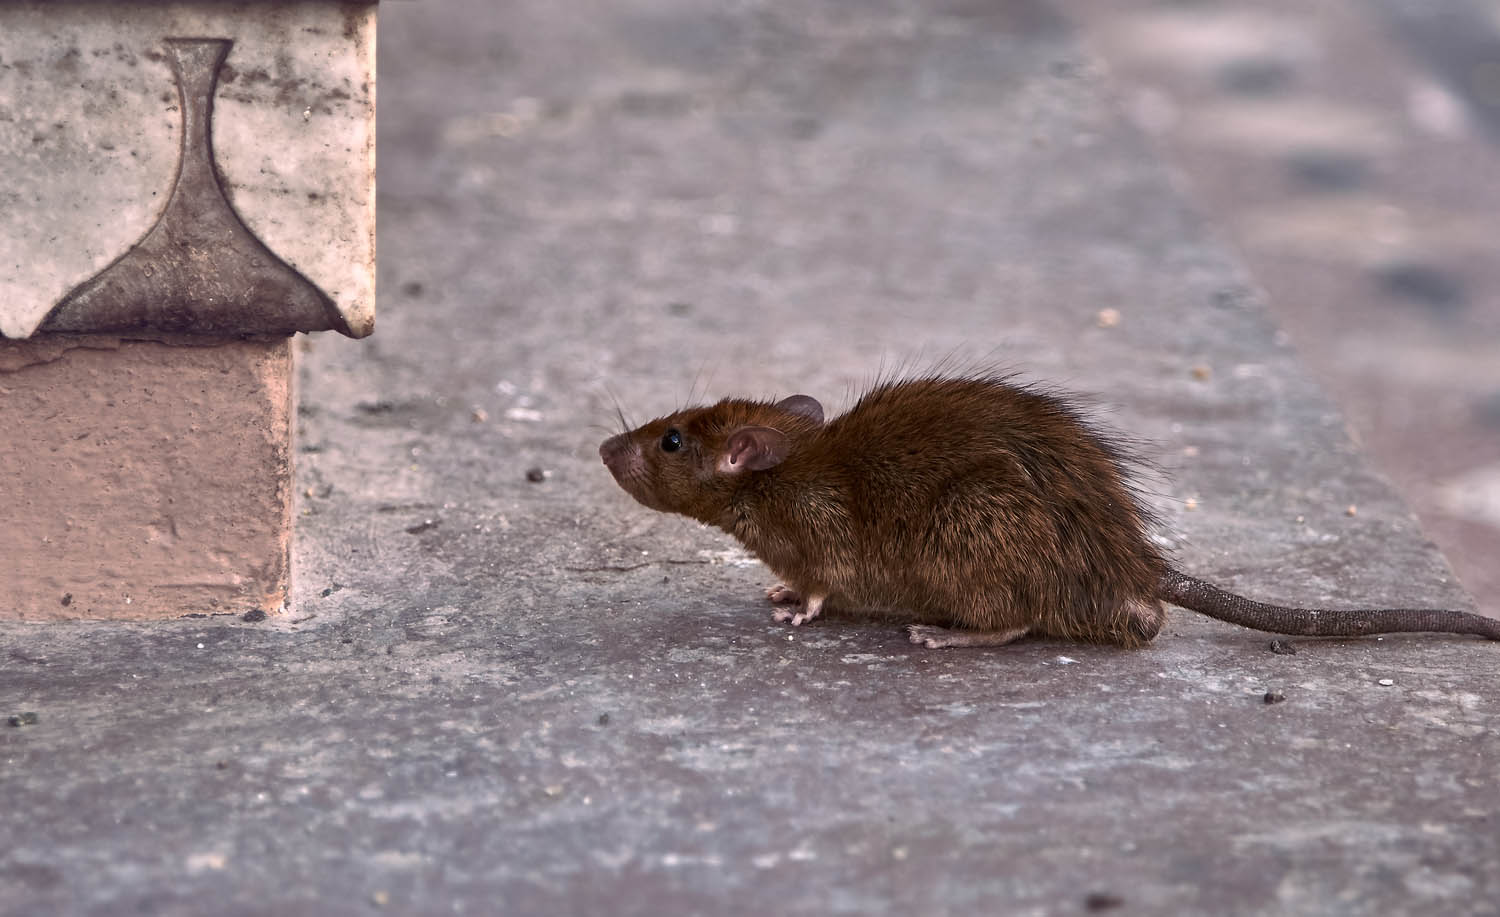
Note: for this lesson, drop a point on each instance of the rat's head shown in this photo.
(693, 461)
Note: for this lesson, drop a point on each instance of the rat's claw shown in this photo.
(782, 594)
(781, 615)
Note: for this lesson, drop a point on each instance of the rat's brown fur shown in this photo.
(969, 503)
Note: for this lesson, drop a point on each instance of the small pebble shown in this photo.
(604, 719)
(536, 475)
(1274, 697)
(1202, 373)
(1190, 504)
(1283, 647)
(24, 719)
(253, 616)
(1108, 318)
(1102, 901)
(1352, 510)
(1386, 682)
(380, 899)
(479, 415)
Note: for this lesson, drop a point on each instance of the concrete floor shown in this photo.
(494, 694)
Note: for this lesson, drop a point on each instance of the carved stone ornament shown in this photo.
(199, 270)
(187, 168)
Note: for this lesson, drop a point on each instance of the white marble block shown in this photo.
(188, 167)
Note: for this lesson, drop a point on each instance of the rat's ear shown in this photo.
(754, 449)
(806, 405)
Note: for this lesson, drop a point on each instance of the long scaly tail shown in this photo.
(1206, 598)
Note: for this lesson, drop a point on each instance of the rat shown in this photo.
(972, 509)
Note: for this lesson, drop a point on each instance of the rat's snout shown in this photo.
(617, 452)
(623, 457)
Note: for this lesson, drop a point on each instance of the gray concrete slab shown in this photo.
(500, 695)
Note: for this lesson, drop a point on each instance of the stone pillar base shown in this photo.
(144, 478)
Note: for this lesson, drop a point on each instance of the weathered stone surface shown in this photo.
(97, 140)
(143, 479)
(501, 694)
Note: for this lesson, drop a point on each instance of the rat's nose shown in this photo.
(613, 450)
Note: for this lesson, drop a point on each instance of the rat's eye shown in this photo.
(671, 442)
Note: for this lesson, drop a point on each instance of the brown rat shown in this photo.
(977, 510)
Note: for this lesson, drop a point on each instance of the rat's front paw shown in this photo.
(802, 616)
(782, 594)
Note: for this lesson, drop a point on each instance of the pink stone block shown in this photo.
(144, 478)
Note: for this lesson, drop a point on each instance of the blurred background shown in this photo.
(1350, 150)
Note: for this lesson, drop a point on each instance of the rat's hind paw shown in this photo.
(935, 638)
(782, 594)
(930, 637)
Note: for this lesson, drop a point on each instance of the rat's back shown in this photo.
(992, 506)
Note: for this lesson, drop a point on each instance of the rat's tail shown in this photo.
(1206, 598)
